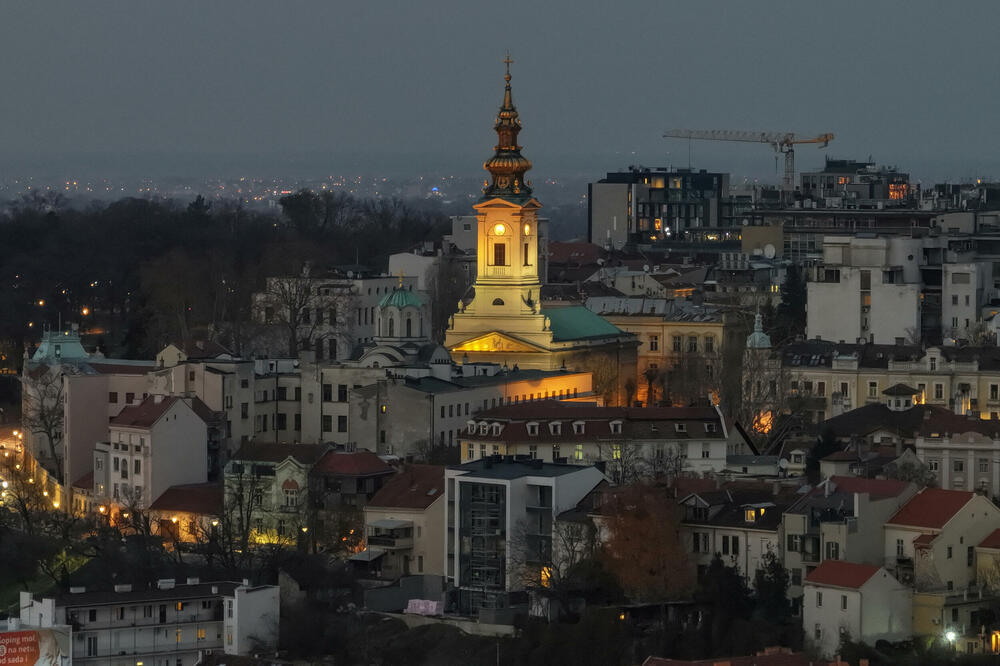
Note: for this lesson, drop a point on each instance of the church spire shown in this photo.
(507, 166)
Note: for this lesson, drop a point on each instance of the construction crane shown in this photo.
(782, 142)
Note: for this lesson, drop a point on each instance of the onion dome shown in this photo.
(507, 166)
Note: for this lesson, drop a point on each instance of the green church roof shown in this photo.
(578, 323)
(400, 297)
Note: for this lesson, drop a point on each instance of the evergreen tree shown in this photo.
(790, 316)
(771, 585)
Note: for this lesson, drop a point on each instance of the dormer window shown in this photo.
(532, 428)
(578, 427)
(471, 429)
(680, 427)
(496, 428)
(555, 428)
(709, 427)
(751, 515)
(484, 428)
(933, 362)
(616, 427)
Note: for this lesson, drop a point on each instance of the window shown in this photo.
(129, 398)
(327, 392)
(115, 462)
(832, 550)
(533, 451)
(794, 543)
(958, 466)
(420, 563)
(499, 254)
(818, 630)
(709, 344)
(201, 634)
(532, 428)
(984, 464)
(555, 451)
(229, 608)
(578, 428)
(179, 606)
(970, 554)
(280, 421)
(725, 545)
(933, 464)
(750, 515)
(994, 391)
(291, 497)
(821, 388)
(91, 646)
(796, 576)
(138, 466)
(578, 452)
(954, 299)
(736, 545)
(933, 361)
(939, 391)
(113, 397)
(327, 423)
(297, 421)
(819, 600)
(872, 389)
(843, 602)
(341, 424)
(843, 389)
(616, 427)
(654, 343)
(899, 548)
(693, 343)
(677, 343)
(244, 410)
(949, 552)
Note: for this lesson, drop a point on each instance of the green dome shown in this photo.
(401, 298)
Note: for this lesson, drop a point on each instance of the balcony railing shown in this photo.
(390, 542)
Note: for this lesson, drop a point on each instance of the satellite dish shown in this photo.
(646, 268)
(783, 463)
(600, 262)
(769, 251)
(745, 221)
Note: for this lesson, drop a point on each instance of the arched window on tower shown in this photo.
(392, 327)
(499, 254)
(497, 301)
(409, 326)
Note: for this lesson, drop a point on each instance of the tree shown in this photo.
(652, 376)
(42, 411)
(449, 283)
(553, 566)
(914, 472)
(643, 550)
(825, 445)
(771, 587)
(725, 594)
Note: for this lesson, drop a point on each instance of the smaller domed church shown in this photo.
(403, 335)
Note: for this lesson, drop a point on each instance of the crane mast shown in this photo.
(781, 142)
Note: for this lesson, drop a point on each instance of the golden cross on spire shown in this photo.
(400, 278)
(508, 62)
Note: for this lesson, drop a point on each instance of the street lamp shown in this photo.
(950, 635)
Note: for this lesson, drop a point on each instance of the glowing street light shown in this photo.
(950, 635)
(85, 311)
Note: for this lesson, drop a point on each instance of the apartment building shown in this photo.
(834, 378)
(681, 345)
(840, 519)
(963, 452)
(740, 524)
(649, 441)
(395, 413)
(151, 446)
(930, 542)
(862, 601)
(405, 523)
(500, 516)
(900, 290)
(172, 625)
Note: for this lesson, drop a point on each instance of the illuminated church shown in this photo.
(506, 323)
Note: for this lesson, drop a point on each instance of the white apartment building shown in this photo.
(860, 600)
(930, 542)
(161, 442)
(171, 625)
(896, 290)
(500, 515)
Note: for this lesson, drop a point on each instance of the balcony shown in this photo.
(390, 534)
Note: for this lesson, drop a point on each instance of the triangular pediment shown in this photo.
(499, 202)
(496, 341)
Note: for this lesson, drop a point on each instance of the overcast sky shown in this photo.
(410, 86)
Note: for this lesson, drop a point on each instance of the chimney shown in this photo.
(157, 398)
(165, 584)
(123, 588)
(193, 581)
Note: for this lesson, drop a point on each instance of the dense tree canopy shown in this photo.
(138, 272)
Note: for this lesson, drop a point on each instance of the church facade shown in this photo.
(505, 322)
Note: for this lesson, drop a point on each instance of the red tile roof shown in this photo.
(838, 573)
(416, 487)
(146, 413)
(199, 498)
(874, 487)
(992, 540)
(931, 508)
(149, 411)
(924, 540)
(360, 463)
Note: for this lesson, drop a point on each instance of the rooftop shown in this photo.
(199, 498)
(507, 468)
(992, 540)
(305, 454)
(178, 592)
(576, 322)
(152, 408)
(416, 487)
(931, 508)
(358, 463)
(838, 573)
